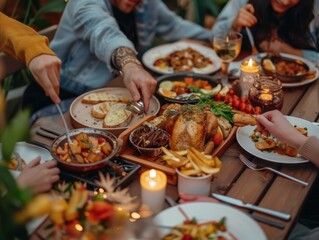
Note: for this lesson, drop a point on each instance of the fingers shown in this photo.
(34, 162)
(249, 7)
(46, 71)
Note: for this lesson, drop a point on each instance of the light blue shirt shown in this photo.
(88, 34)
(228, 14)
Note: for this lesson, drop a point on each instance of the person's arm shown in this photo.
(227, 16)
(279, 127)
(95, 24)
(26, 45)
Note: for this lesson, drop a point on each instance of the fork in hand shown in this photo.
(253, 166)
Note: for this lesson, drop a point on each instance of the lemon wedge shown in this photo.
(167, 93)
(212, 91)
(168, 85)
(268, 65)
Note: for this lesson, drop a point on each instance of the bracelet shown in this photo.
(123, 56)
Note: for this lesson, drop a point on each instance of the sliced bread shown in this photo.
(101, 109)
(117, 116)
(98, 97)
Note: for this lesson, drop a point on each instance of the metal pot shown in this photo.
(84, 167)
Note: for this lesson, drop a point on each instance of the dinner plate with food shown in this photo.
(105, 109)
(186, 87)
(182, 57)
(23, 154)
(258, 142)
(292, 70)
(214, 219)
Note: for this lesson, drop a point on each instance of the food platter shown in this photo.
(244, 140)
(311, 66)
(81, 112)
(180, 78)
(128, 152)
(163, 51)
(237, 222)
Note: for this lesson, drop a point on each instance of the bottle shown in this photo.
(266, 92)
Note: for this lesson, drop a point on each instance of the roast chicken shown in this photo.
(188, 126)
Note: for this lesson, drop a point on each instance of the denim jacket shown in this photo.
(88, 34)
(228, 14)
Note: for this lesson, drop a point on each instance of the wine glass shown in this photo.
(227, 46)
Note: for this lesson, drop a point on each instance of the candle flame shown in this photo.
(153, 173)
(250, 62)
(78, 227)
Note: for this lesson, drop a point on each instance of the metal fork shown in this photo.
(253, 166)
(251, 40)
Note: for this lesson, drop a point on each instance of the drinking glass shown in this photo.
(227, 46)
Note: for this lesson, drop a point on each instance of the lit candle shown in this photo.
(153, 187)
(266, 96)
(249, 70)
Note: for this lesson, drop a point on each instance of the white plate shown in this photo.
(28, 152)
(244, 140)
(237, 222)
(312, 67)
(162, 51)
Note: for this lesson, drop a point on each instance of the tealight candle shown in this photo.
(249, 70)
(153, 187)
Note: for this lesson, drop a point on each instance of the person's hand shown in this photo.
(139, 82)
(184, 198)
(277, 46)
(279, 127)
(46, 71)
(39, 176)
(245, 18)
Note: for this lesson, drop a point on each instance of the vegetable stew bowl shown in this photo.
(84, 167)
(284, 68)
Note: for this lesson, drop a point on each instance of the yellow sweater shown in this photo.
(21, 41)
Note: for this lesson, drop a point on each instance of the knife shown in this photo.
(240, 203)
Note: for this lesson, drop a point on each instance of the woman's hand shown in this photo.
(46, 71)
(277, 46)
(245, 18)
(39, 176)
(279, 127)
(139, 82)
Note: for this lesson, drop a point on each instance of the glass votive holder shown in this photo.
(266, 93)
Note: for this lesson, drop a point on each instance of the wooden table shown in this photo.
(264, 188)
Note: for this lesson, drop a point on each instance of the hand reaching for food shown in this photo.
(277, 46)
(139, 82)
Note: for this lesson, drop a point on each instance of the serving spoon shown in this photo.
(67, 131)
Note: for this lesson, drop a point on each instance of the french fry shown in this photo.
(190, 172)
(175, 164)
(203, 167)
(168, 157)
(182, 153)
(201, 157)
(173, 159)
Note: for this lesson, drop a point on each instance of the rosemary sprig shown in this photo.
(220, 109)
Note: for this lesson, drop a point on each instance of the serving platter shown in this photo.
(81, 112)
(163, 51)
(127, 151)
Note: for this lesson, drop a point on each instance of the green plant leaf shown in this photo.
(17, 130)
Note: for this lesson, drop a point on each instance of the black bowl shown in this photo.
(179, 77)
(295, 74)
